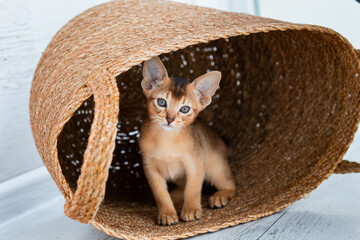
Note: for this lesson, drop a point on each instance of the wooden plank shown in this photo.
(49, 222)
(330, 212)
(25, 194)
(338, 15)
(26, 27)
(33, 202)
(17, 63)
(245, 6)
(247, 231)
(31, 207)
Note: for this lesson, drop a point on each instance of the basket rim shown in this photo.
(117, 67)
(116, 70)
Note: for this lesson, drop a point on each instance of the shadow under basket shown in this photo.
(287, 106)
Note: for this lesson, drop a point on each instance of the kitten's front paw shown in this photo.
(168, 218)
(190, 214)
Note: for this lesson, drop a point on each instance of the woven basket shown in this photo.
(288, 107)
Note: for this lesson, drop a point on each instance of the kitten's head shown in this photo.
(175, 102)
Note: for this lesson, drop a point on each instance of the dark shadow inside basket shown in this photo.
(272, 109)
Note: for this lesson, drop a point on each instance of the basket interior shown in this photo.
(276, 108)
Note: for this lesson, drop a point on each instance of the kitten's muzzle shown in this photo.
(169, 120)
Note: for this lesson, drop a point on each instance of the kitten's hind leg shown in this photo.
(221, 177)
(221, 198)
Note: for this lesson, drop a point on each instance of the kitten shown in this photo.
(177, 149)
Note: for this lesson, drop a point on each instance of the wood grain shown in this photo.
(330, 212)
(17, 63)
(320, 12)
(32, 203)
(26, 27)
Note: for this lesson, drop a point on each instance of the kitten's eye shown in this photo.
(161, 102)
(184, 109)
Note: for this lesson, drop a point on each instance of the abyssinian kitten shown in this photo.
(176, 148)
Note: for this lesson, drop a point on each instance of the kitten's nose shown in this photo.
(169, 119)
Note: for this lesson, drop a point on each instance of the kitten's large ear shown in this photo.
(154, 73)
(206, 85)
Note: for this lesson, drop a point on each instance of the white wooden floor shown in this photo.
(31, 207)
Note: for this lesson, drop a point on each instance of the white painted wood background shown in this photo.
(31, 206)
(26, 27)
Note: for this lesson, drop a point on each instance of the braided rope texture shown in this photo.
(288, 107)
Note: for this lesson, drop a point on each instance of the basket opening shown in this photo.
(72, 142)
(270, 107)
